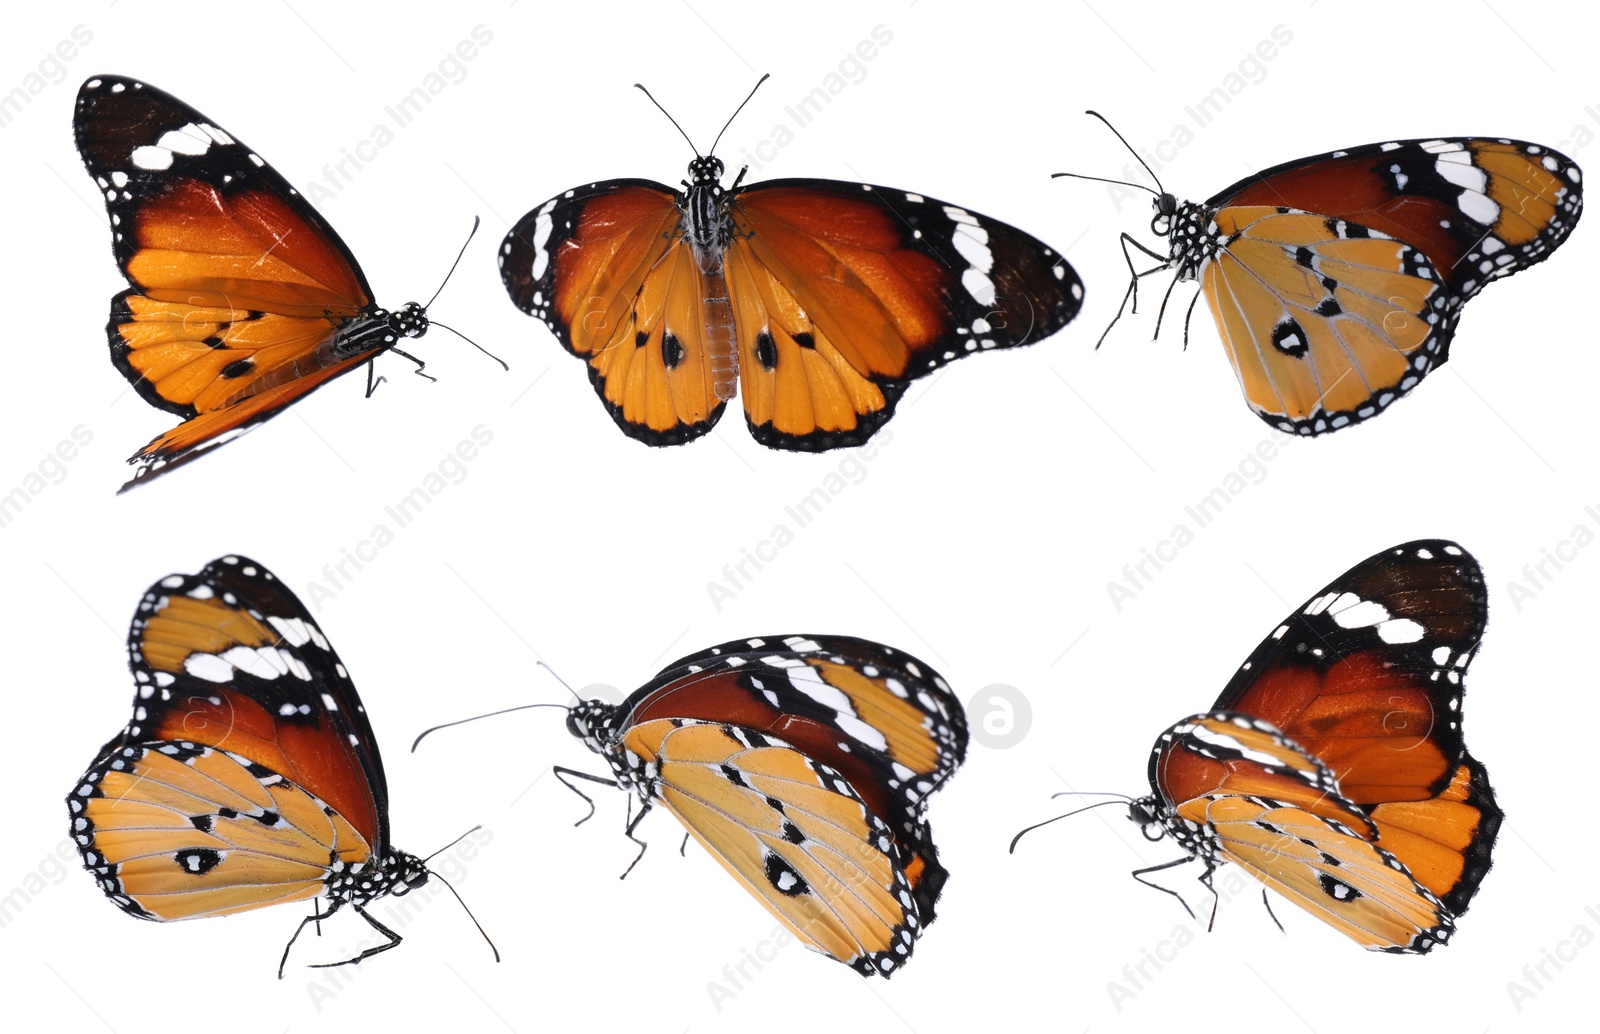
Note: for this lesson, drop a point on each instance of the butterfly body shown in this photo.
(1337, 281)
(802, 764)
(243, 299)
(816, 301)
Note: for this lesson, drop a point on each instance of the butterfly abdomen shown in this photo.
(722, 346)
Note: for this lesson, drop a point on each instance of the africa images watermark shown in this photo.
(51, 70)
(1250, 470)
(851, 470)
(851, 70)
(50, 470)
(451, 70)
(1538, 574)
(450, 470)
(1250, 70)
(1537, 976)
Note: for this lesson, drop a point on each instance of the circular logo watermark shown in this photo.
(999, 716)
(601, 691)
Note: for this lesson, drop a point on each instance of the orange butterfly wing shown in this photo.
(1367, 678)
(244, 299)
(604, 267)
(1255, 798)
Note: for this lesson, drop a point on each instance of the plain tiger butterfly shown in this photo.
(1333, 769)
(816, 301)
(249, 774)
(1337, 280)
(803, 764)
(243, 299)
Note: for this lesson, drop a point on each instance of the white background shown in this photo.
(980, 536)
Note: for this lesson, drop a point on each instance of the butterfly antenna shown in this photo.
(491, 714)
(457, 262)
(1013, 848)
(674, 121)
(484, 933)
(561, 680)
(1102, 179)
(474, 344)
(451, 844)
(1129, 146)
(736, 111)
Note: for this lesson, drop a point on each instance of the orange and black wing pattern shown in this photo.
(605, 268)
(242, 299)
(822, 300)
(1350, 713)
(1337, 281)
(1235, 789)
(804, 764)
(248, 773)
(844, 293)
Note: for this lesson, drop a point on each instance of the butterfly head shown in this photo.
(591, 721)
(1166, 206)
(706, 171)
(411, 320)
(1145, 812)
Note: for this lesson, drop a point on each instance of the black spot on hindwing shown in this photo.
(672, 350)
(766, 350)
(783, 877)
(1289, 338)
(197, 861)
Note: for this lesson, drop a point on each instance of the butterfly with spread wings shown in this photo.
(1332, 767)
(816, 301)
(1337, 280)
(249, 774)
(803, 764)
(243, 299)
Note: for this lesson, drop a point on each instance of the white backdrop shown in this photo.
(981, 533)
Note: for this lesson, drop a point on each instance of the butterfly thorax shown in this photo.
(707, 223)
(1194, 238)
(595, 722)
(377, 329)
(396, 872)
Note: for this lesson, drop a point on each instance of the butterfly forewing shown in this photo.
(229, 658)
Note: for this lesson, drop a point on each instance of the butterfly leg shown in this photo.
(372, 385)
(1268, 906)
(1187, 316)
(1139, 874)
(316, 917)
(683, 848)
(394, 941)
(1206, 881)
(1133, 283)
(633, 824)
(419, 371)
(562, 773)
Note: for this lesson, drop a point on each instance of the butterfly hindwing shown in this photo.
(793, 831)
(176, 830)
